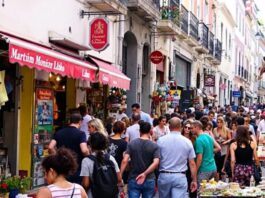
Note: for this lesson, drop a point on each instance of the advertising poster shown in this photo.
(42, 133)
(44, 106)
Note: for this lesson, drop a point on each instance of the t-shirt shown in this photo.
(87, 169)
(158, 132)
(117, 148)
(204, 145)
(146, 117)
(84, 125)
(71, 138)
(133, 132)
(142, 153)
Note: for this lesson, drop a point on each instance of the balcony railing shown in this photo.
(193, 27)
(171, 12)
(218, 49)
(203, 34)
(184, 17)
(211, 43)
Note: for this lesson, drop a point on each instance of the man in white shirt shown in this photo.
(121, 115)
(86, 118)
(261, 126)
(133, 132)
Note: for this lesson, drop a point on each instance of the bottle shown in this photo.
(252, 181)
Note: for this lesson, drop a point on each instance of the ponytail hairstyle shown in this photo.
(63, 162)
(98, 143)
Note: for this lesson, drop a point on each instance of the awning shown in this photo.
(109, 74)
(32, 55)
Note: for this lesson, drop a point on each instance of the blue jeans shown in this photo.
(147, 189)
(172, 185)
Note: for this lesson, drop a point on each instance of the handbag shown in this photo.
(257, 173)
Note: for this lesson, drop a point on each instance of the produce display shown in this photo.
(232, 189)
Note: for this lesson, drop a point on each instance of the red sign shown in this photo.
(99, 36)
(49, 61)
(156, 57)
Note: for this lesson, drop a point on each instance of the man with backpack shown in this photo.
(144, 158)
(100, 171)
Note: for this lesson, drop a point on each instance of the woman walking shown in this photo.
(242, 152)
(57, 167)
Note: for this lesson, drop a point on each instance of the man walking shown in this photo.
(133, 132)
(144, 116)
(72, 138)
(204, 148)
(176, 151)
(144, 155)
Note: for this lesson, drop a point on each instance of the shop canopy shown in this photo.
(109, 74)
(40, 57)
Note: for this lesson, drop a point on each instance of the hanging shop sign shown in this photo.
(99, 34)
(156, 57)
(209, 80)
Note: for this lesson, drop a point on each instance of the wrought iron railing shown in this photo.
(184, 18)
(203, 34)
(217, 49)
(194, 26)
(211, 43)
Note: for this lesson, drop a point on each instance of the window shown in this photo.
(226, 40)
(198, 12)
(229, 43)
(206, 11)
(145, 60)
(222, 27)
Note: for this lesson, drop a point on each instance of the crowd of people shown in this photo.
(142, 155)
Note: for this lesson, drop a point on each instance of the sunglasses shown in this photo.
(186, 127)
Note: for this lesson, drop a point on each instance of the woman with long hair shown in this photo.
(96, 125)
(57, 167)
(161, 129)
(186, 131)
(222, 136)
(242, 151)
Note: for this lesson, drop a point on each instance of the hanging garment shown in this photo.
(3, 93)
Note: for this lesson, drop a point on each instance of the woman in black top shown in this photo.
(243, 150)
(117, 145)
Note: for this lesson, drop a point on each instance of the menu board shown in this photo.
(42, 133)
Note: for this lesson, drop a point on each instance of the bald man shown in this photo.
(176, 150)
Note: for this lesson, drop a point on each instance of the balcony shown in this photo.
(112, 6)
(170, 22)
(203, 39)
(184, 22)
(193, 30)
(146, 9)
(210, 55)
(217, 52)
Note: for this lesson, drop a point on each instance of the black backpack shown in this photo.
(104, 178)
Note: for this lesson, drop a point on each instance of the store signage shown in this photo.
(156, 57)
(222, 86)
(49, 63)
(209, 80)
(236, 94)
(99, 36)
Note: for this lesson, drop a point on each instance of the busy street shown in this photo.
(132, 98)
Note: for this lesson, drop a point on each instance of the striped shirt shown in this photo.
(57, 191)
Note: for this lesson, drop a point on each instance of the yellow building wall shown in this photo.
(25, 125)
(70, 94)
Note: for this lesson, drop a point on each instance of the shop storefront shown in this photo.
(41, 87)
